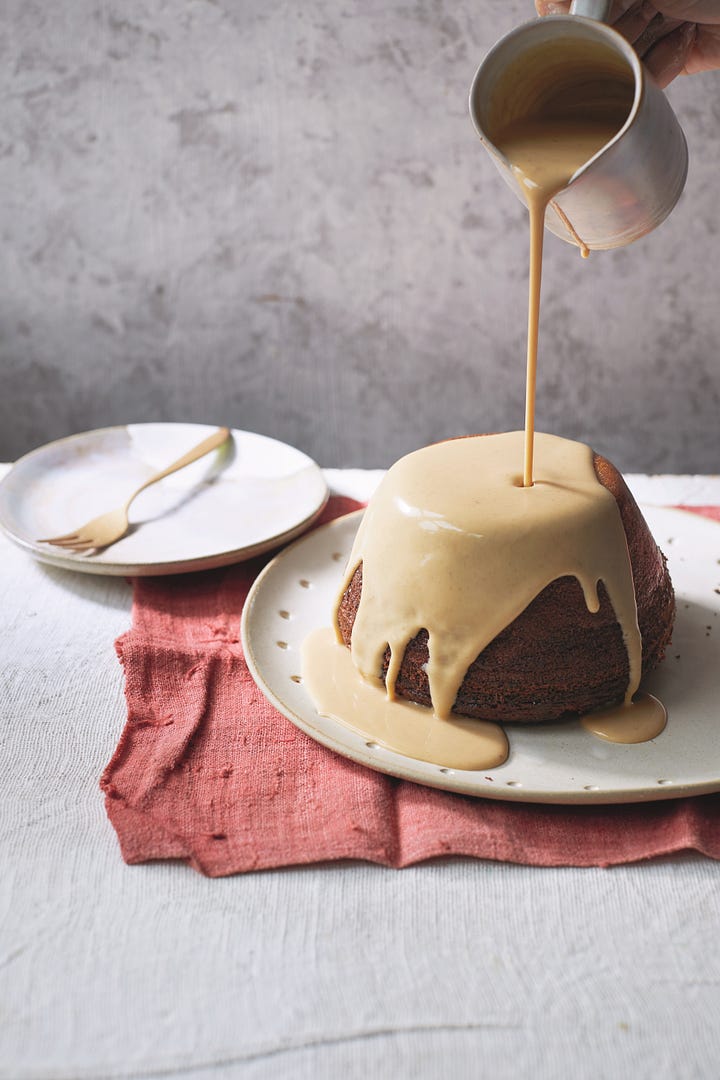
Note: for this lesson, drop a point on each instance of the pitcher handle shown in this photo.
(591, 9)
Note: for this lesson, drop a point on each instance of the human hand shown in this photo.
(672, 37)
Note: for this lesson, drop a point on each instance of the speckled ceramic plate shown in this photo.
(252, 495)
(554, 763)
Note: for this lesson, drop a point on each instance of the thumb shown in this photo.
(669, 57)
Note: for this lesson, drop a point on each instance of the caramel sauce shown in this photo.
(544, 154)
(453, 543)
(333, 682)
(644, 719)
(458, 541)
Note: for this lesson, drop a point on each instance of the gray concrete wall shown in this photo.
(277, 215)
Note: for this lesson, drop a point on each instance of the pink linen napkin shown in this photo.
(207, 771)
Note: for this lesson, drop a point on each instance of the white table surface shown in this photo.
(454, 969)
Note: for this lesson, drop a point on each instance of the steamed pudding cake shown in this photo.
(469, 592)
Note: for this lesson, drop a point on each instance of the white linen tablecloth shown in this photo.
(452, 969)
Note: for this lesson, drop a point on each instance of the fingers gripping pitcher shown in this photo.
(574, 69)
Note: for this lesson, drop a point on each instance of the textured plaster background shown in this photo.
(277, 215)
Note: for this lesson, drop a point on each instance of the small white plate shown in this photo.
(250, 496)
(552, 763)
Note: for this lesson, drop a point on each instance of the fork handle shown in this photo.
(211, 443)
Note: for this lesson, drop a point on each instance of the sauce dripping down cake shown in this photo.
(469, 592)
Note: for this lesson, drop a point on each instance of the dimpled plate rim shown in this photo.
(555, 763)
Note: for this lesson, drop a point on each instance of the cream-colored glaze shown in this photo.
(544, 154)
(453, 543)
(635, 722)
(333, 682)
(584, 249)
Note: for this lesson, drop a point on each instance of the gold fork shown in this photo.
(112, 526)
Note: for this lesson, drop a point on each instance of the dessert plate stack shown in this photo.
(252, 495)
